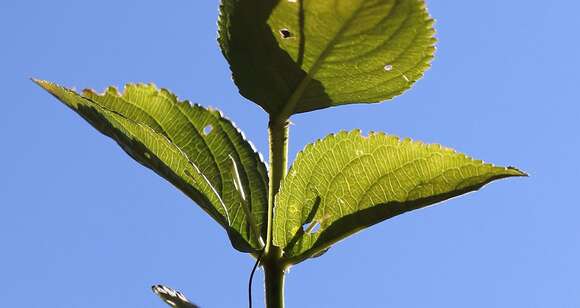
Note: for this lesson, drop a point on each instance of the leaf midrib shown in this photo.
(290, 105)
(174, 108)
(168, 140)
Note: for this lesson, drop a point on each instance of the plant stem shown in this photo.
(274, 281)
(278, 134)
(273, 268)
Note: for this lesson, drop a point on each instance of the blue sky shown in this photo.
(83, 225)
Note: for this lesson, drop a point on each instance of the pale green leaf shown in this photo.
(190, 146)
(347, 182)
(172, 297)
(297, 56)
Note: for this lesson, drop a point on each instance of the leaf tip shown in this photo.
(514, 171)
(46, 85)
(39, 82)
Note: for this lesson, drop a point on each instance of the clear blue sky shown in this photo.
(82, 225)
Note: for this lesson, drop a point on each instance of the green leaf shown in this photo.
(172, 297)
(347, 182)
(188, 145)
(302, 55)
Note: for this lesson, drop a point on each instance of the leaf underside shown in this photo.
(298, 56)
(347, 182)
(188, 145)
(172, 297)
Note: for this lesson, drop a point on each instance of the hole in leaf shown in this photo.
(311, 227)
(207, 130)
(285, 33)
(388, 67)
(315, 229)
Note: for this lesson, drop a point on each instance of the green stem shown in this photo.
(273, 268)
(278, 133)
(274, 280)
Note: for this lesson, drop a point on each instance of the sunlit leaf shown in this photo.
(190, 146)
(293, 56)
(347, 182)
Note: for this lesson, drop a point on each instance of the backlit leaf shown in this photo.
(347, 182)
(292, 56)
(190, 146)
